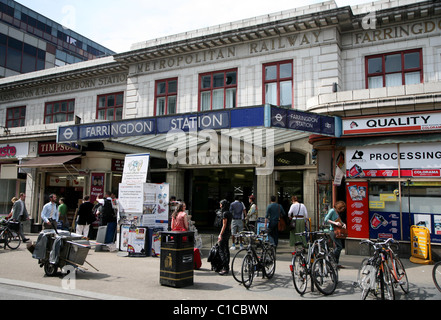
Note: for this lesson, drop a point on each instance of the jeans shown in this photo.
(338, 246)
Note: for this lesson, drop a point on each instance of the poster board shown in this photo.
(420, 245)
(357, 210)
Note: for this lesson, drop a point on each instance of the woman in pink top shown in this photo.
(179, 218)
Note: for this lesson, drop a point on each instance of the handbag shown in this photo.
(281, 226)
(293, 223)
(340, 232)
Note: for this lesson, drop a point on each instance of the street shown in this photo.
(121, 277)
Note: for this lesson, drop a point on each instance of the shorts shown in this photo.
(236, 226)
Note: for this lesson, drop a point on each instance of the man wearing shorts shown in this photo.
(237, 209)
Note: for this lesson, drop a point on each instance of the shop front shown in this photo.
(388, 171)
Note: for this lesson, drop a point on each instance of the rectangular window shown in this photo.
(166, 92)
(218, 90)
(110, 106)
(277, 83)
(15, 117)
(59, 111)
(394, 69)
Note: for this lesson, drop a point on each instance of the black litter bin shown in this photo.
(176, 268)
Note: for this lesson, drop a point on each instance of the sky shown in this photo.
(118, 24)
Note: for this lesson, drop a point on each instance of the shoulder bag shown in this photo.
(340, 232)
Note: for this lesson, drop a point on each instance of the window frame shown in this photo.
(225, 87)
(106, 107)
(20, 118)
(165, 95)
(53, 114)
(403, 71)
(278, 80)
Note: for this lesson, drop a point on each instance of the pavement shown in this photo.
(119, 277)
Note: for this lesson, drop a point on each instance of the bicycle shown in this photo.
(436, 275)
(374, 274)
(314, 262)
(9, 234)
(254, 261)
(396, 267)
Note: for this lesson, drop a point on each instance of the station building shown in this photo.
(265, 106)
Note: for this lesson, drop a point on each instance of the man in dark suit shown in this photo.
(20, 214)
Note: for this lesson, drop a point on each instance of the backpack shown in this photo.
(214, 258)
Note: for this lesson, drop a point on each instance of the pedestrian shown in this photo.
(252, 214)
(224, 236)
(297, 215)
(179, 218)
(333, 218)
(238, 211)
(62, 214)
(274, 212)
(85, 217)
(49, 214)
(13, 200)
(109, 218)
(20, 214)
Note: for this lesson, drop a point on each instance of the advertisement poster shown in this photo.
(135, 168)
(96, 186)
(384, 225)
(155, 205)
(357, 212)
(133, 240)
(130, 198)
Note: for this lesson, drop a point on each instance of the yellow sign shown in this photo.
(388, 197)
(420, 245)
(376, 204)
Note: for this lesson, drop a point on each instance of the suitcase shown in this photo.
(197, 259)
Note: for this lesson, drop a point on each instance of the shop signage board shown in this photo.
(259, 116)
(357, 210)
(384, 225)
(392, 124)
(97, 185)
(414, 160)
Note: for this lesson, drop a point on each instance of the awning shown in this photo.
(52, 161)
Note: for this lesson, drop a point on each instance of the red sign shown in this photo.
(426, 173)
(97, 186)
(357, 212)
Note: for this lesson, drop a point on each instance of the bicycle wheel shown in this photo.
(12, 239)
(269, 262)
(400, 272)
(248, 268)
(299, 272)
(387, 289)
(436, 275)
(324, 276)
(366, 277)
(236, 264)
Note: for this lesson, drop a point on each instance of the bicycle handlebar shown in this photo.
(378, 243)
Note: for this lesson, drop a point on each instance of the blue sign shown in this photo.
(303, 121)
(259, 116)
(195, 121)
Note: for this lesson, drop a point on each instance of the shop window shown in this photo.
(110, 106)
(15, 117)
(166, 96)
(59, 111)
(394, 69)
(277, 83)
(217, 90)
